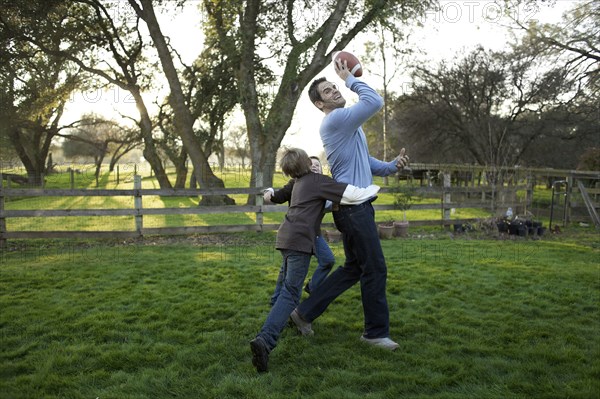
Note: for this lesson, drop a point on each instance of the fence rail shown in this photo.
(468, 193)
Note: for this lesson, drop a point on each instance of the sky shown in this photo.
(457, 27)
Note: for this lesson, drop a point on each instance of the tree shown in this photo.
(573, 44)
(300, 36)
(97, 137)
(576, 40)
(485, 108)
(170, 144)
(386, 52)
(210, 90)
(239, 145)
(35, 87)
(213, 95)
(590, 159)
(569, 131)
(182, 117)
(85, 33)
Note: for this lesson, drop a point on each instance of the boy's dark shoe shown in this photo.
(260, 354)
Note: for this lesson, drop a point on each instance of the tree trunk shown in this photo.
(113, 163)
(249, 99)
(33, 168)
(221, 151)
(149, 151)
(49, 164)
(263, 162)
(181, 169)
(182, 116)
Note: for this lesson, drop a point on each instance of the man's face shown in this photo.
(332, 98)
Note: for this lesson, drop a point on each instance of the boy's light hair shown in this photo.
(295, 163)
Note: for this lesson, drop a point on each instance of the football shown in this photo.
(351, 60)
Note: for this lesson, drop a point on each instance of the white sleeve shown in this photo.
(354, 195)
(267, 194)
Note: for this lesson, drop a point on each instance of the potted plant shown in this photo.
(403, 196)
(386, 229)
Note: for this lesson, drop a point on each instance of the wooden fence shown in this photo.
(453, 186)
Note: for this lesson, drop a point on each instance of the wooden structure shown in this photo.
(453, 186)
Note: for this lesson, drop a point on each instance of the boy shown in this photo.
(324, 255)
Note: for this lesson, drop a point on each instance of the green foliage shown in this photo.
(590, 159)
(299, 36)
(403, 195)
(35, 85)
(484, 319)
(533, 105)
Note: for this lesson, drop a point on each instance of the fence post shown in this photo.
(259, 201)
(2, 218)
(72, 176)
(446, 197)
(568, 194)
(529, 194)
(137, 201)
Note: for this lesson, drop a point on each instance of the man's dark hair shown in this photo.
(295, 163)
(313, 90)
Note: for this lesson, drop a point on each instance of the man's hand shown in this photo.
(341, 68)
(402, 160)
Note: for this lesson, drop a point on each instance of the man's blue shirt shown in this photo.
(345, 142)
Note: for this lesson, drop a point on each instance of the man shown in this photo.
(348, 156)
(296, 240)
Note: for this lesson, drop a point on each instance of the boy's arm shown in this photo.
(284, 194)
(343, 193)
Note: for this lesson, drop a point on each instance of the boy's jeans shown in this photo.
(295, 268)
(325, 260)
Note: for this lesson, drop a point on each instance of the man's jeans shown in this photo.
(295, 268)
(364, 263)
(325, 260)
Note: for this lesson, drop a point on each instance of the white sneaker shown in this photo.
(385, 343)
(303, 326)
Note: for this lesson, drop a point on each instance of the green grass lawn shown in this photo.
(475, 318)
